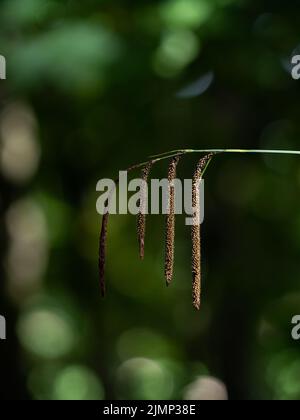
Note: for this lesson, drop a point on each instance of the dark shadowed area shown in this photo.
(95, 86)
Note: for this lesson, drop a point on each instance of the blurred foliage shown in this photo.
(95, 86)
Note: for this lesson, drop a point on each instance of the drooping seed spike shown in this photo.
(170, 222)
(103, 241)
(102, 252)
(141, 218)
(196, 232)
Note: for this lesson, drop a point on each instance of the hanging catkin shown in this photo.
(196, 232)
(141, 218)
(170, 222)
(103, 241)
(102, 252)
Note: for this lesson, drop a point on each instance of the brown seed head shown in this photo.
(196, 232)
(103, 242)
(102, 252)
(141, 218)
(170, 222)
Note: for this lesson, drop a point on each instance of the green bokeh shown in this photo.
(91, 88)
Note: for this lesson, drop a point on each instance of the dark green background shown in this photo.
(92, 87)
